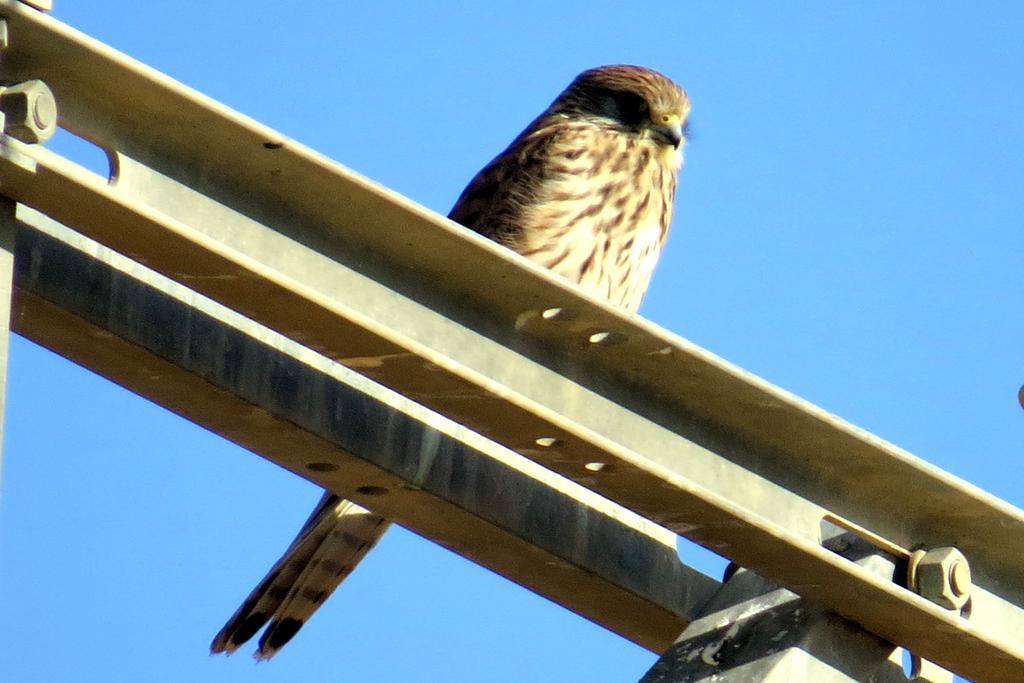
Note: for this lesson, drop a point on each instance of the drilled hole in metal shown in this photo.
(321, 467)
(606, 338)
(558, 314)
(372, 490)
(911, 664)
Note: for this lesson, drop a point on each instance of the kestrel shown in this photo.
(587, 191)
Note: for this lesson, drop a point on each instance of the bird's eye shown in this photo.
(665, 118)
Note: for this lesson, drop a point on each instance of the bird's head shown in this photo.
(630, 99)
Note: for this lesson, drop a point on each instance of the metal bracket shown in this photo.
(755, 630)
(28, 110)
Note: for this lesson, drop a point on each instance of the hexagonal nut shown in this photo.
(944, 577)
(30, 111)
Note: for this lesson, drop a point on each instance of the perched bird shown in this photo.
(587, 191)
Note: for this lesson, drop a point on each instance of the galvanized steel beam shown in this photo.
(7, 223)
(347, 433)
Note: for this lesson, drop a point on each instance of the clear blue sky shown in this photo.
(849, 226)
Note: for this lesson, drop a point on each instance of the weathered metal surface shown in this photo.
(754, 630)
(7, 227)
(304, 412)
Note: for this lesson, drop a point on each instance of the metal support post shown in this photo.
(7, 223)
(754, 630)
(28, 112)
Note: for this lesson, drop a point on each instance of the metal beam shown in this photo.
(269, 228)
(344, 432)
(754, 630)
(7, 223)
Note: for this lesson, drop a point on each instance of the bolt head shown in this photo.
(960, 578)
(944, 577)
(30, 111)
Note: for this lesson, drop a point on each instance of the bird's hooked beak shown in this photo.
(669, 130)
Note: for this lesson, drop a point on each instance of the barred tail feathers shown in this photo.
(328, 547)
